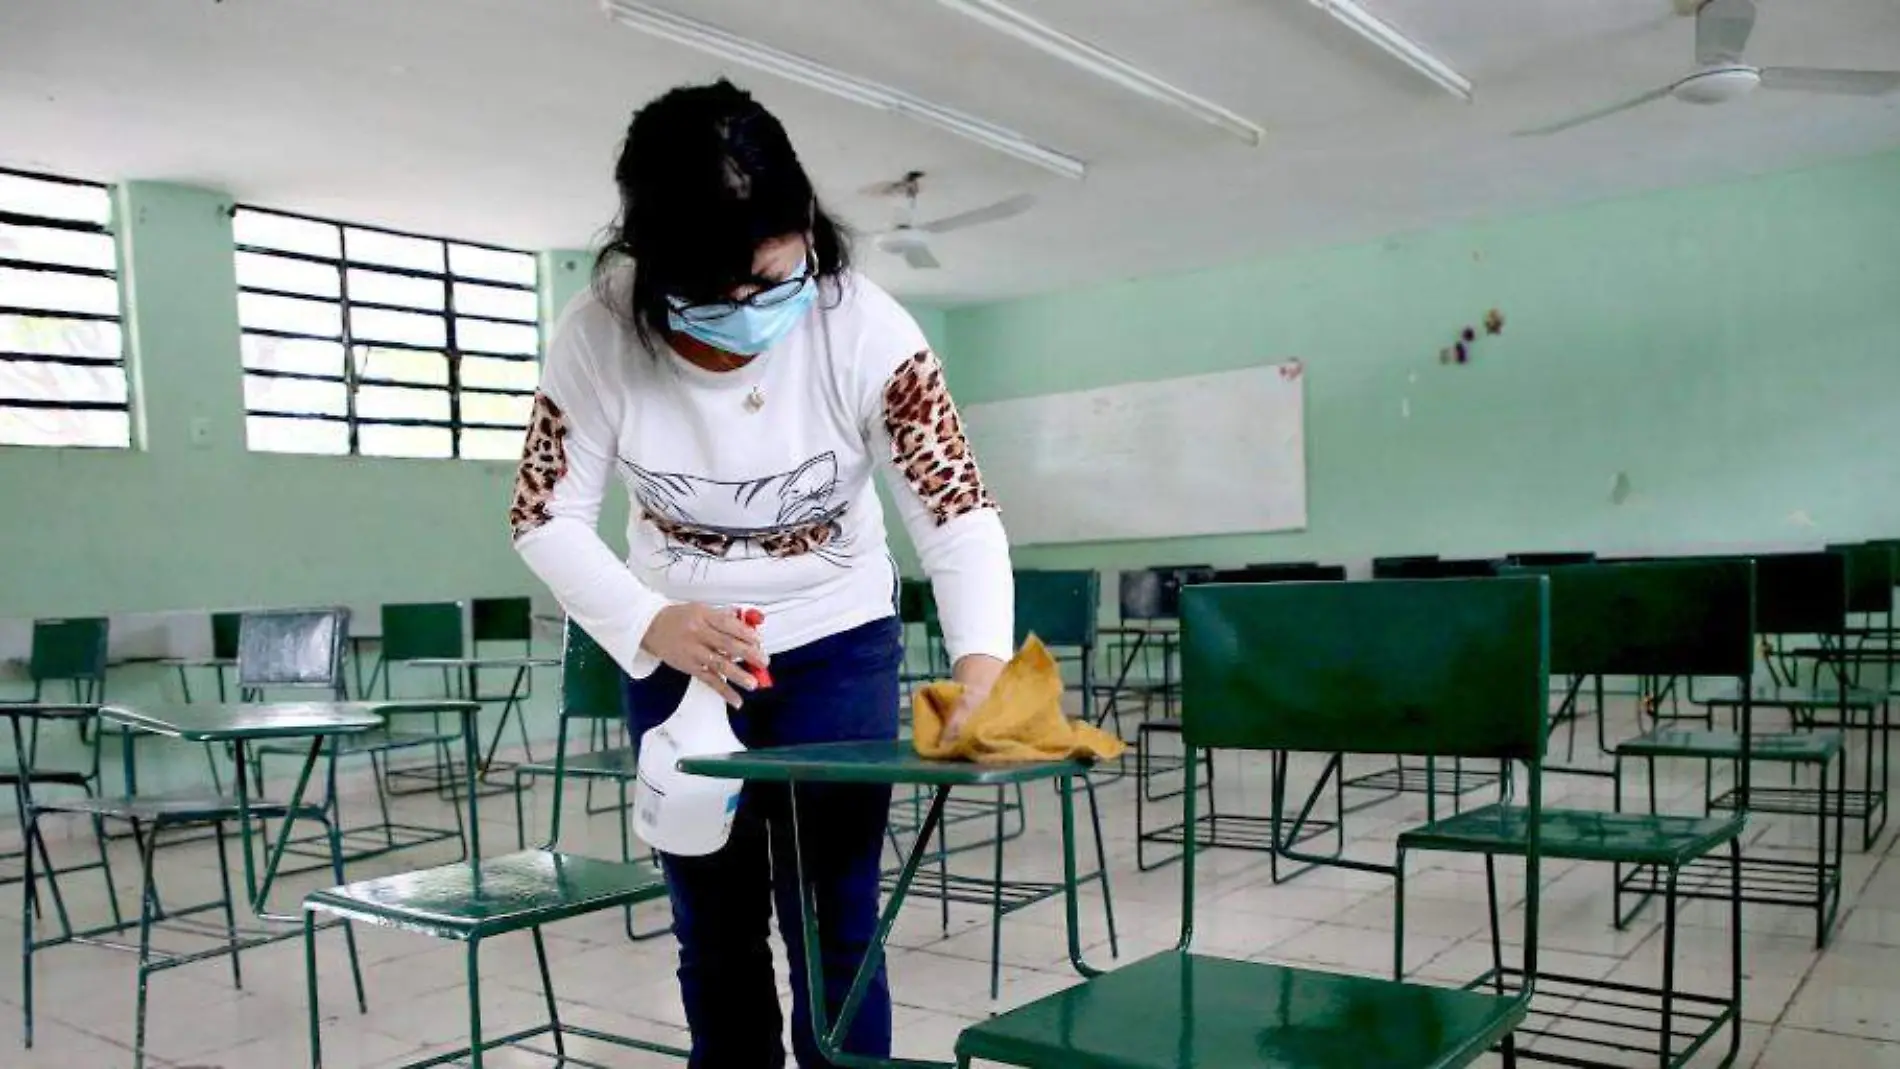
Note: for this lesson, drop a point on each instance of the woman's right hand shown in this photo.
(708, 644)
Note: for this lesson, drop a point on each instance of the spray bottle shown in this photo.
(681, 814)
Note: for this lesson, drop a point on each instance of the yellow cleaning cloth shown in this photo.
(1020, 721)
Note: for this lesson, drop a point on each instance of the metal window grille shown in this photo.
(363, 341)
(62, 345)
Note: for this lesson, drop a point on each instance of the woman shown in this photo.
(744, 383)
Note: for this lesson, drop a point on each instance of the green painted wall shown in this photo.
(182, 525)
(1734, 349)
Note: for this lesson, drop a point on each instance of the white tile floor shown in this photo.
(1803, 1008)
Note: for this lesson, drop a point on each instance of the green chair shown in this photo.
(1691, 618)
(1060, 608)
(923, 634)
(1449, 669)
(592, 698)
(475, 901)
(926, 660)
(1796, 594)
(1864, 641)
(30, 773)
(1229, 830)
(506, 622)
(70, 652)
(303, 649)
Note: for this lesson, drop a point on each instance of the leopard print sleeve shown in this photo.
(543, 463)
(928, 443)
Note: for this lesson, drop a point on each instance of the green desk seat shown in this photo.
(1578, 835)
(184, 807)
(1771, 880)
(472, 901)
(1807, 746)
(619, 763)
(469, 902)
(1176, 1010)
(1445, 669)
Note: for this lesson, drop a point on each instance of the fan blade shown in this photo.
(1002, 209)
(1721, 31)
(1819, 80)
(1592, 116)
(919, 256)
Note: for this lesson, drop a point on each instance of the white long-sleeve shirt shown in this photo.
(753, 487)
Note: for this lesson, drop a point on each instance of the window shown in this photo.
(375, 343)
(62, 352)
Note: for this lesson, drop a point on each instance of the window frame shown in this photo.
(107, 229)
(351, 378)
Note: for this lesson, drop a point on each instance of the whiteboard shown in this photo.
(1210, 454)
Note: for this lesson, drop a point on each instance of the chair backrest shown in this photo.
(1276, 573)
(914, 601)
(1399, 567)
(591, 681)
(1440, 668)
(1663, 618)
(1144, 594)
(1800, 593)
(1869, 577)
(293, 648)
(72, 649)
(1549, 560)
(501, 620)
(421, 630)
(1058, 607)
(1450, 668)
(592, 685)
(224, 635)
(1173, 580)
(1477, 568)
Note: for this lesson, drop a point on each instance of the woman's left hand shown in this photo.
(977, 674)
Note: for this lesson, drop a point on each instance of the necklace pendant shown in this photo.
(755, 400)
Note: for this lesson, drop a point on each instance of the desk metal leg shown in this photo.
(260, 891)
(829, 1037)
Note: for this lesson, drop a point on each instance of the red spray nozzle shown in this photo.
(753, 618)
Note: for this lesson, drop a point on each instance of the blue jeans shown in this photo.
(840, 688)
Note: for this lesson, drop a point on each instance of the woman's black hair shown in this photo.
(706, 176)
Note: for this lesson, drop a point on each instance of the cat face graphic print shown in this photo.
(706, 521)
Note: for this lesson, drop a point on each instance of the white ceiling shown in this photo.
(498, 120)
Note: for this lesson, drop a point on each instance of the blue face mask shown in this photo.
(748, 329)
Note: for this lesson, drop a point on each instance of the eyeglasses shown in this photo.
(768, 296)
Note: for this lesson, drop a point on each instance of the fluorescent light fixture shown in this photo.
(717, 42)
(1400, 47)
(1085, 56)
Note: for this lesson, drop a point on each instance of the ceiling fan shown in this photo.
(910, 239)
(1721, 33)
